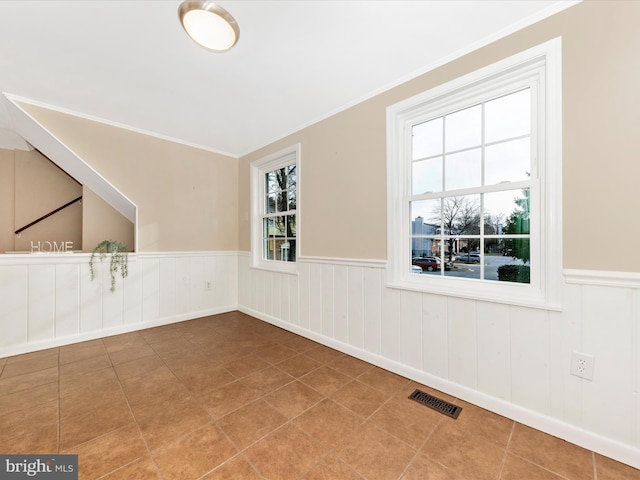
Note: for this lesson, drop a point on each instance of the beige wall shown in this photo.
(100, 221)
(7, 197)
(343, 179)
(31, 187)
(186, 197)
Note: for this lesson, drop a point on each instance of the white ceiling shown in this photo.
(130, 63)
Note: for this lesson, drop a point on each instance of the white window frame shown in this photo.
(541, 64)
(258, 169)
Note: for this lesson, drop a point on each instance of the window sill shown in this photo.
(291, 268)
(511, 294)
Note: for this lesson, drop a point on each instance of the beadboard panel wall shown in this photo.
(47, 301)
(509, 359)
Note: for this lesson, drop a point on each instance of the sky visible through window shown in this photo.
(486, 144)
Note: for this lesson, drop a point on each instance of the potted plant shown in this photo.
(119, 259)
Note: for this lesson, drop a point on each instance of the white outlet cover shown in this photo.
(582, 365)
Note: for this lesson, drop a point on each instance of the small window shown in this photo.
(474, 184)
(274, 187)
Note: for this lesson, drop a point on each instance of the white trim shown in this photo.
(546, 249)
(257, 170)
(352, 262)
(111, 123)
(602, 279)
(589, 440)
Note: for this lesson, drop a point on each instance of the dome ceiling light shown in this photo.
(209, 25)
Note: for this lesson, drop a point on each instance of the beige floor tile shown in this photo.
(251, 422)
(375, 454)
(293, 399)
(28, 398)
(468, 455)
(202, 380)
(31, 362)
(26, 421)
(38, 438)
(98, 421)
(286, 453)
(564, 458)
(79, 368)
(194, 455)
(162, 424)
(108, 453)
(236, 468)
(332, 468)
(328, 422)
(323, 354)
(608, 469)
(241, 367)
(384, 381)
(422, 468)
(359, 398)
(81, 352)
(325, 380)
(516, 468)
(407, 420)
(226, 399)
(28, 380)
(350, 366)
(275, 353)
(142, 469)
(298, 366)
(300, 344)
(267, 380)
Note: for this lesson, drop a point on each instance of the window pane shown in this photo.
(508, 116)
(427, 176)
(463, 129)
(292, 198)
(291, 225)
(271, 203)
(461, 215)
(271, 185)
(425, 217)
(427, 139)
(513, 264)
(507, 162)
(507, 212)
(284, 250)
(291, 176)
(462, 170)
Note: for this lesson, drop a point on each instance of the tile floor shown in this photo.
(231, 397)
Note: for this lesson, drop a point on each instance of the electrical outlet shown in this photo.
(207, 286)
(582, 365)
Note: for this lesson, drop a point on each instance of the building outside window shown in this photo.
(474, 178)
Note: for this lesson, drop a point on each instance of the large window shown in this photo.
(274, 184)
(474, 184)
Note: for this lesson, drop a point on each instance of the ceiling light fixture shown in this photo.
(209, 25)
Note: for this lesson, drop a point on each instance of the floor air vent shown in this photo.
(441, 406)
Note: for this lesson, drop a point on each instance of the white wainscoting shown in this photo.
(509, 359)
(50, 300)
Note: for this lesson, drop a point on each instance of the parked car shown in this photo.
(468, 257)
(430, 263)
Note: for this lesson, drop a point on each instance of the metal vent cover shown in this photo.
(449, 409)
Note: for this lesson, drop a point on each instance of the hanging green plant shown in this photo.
(119, 259)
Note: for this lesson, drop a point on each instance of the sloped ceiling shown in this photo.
(130, 63)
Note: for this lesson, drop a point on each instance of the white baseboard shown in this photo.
(109, 332)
